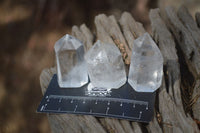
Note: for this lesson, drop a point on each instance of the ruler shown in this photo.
(122, 103)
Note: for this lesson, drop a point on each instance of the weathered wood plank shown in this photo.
(112, 125)
(89, 37)
(130, 37)
(136, 127)
(185, 41)
(190, 24)
(195, 103)
(45, 78)
(131, 29)
(108, 30)
(127, 126)
(167, 45)
(102, 34)
(197, 17)
(173, 100)
(83, 34)
(173, 120)
(162, 36)
(79, 35)
(153, 126)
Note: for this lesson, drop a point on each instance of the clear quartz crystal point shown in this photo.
(71, 66)
(105, 66)
(146, 68)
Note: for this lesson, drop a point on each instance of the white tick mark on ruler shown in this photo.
(83, 101)
(147, 107)
(107, 110)
(121, 104)
(72, 101)
(140, 114)
(42, 108)
(108, 102)
(134, 105)
(75, 108)
(96, 102)
(60, 100)
(123, 114)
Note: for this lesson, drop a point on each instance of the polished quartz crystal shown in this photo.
(146, 68)
(71, 66)
(105, 66)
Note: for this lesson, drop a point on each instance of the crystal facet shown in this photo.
(105, 66)
(71, 66)
(146, 68)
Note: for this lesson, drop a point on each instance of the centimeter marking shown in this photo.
(97, 99)
(93, 113)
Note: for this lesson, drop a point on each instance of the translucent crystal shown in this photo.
(146, 68)
(105, 66)
(71, 67)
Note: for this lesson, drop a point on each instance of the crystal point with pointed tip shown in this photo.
(146, 68)
(71, 66)
(105, 66)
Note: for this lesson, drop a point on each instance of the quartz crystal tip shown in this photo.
(71, 66)
(146, 68)
(105, 66)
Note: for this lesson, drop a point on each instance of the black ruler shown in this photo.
(122, 103)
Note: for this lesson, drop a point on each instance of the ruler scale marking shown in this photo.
(99, 99)
(122, 103)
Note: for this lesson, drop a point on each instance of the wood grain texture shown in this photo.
(154, 126)
(108, 30)
(197, 17)
(196, 100)
(89, 37)
(185, 41)
(190, 24)
(136, 127)
(173, 120)
(83, 34)
(169, 104)
(172, 78)
(131, 29)
(167, 45)
(187, 37)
